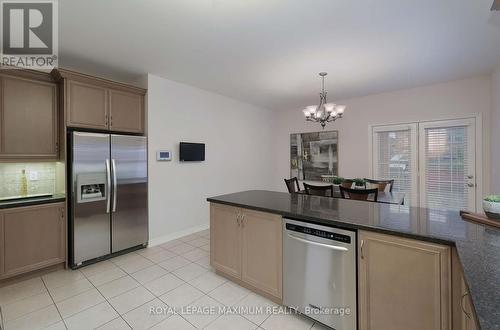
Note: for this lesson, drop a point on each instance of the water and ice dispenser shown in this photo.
(91, 187)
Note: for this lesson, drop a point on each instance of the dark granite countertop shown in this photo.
(478, 246)
(7, 204)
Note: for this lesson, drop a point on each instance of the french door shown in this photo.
(448, 164)
(432, 162)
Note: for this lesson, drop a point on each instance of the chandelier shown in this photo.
(324, 112)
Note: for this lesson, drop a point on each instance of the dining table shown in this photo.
(385, 197)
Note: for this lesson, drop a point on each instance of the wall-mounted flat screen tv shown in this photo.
(192, 152)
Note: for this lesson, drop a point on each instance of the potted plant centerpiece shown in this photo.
(491, 206)
(359, 183)
(337, 181)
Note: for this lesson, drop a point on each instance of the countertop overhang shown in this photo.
(478, 246)
(7, 204)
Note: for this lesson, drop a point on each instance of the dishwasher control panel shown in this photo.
(319, 233)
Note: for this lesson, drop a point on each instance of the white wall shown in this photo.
(238, 153)
(495, 131)
(440, 101)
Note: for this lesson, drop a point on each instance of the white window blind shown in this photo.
(446, 168)
(394, 158)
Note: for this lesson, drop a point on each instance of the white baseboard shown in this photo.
(177, 234)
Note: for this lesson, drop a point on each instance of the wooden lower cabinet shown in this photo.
(225, 239)
(33, 238)
(261, 251)
(2, 269)
(247, 246)
(468, 316)
(464, 316)
(403, 283)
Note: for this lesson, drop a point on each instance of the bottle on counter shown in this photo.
(24, 184)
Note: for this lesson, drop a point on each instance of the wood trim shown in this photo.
(63, 74)
(33, 267)
(28, 74)
(36, 273)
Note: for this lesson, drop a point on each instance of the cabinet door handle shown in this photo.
(242, 220)
(238, 219)
(463, 307)
(361, 248)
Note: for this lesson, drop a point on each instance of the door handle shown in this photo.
(463, 307)
(328, 246)
(361, 248)
(108, 186)
(470, 185)
(113, 163)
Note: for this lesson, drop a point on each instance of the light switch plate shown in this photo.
(33, 175)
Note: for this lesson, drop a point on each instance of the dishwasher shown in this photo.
(319, 273)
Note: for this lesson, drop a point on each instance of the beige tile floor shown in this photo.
(175, 279)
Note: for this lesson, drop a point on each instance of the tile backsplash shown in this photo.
(42, 178)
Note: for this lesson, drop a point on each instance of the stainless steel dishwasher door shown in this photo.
(319, 273)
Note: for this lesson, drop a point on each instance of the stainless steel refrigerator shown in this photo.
(109, 186)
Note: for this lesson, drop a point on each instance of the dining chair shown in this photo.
(359, 194)
(380, 184)
(292, 185)
(326, 191)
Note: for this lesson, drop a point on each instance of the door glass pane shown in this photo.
(446, 168)
(394, 160)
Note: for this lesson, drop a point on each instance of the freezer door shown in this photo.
(90, 198)
(129, 219)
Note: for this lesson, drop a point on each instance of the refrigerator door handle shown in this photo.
(108, 186)
(114, 184)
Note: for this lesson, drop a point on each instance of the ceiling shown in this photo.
(268, 52)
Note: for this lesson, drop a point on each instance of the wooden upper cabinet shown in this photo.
(126, 111)
(403, 283)
(262, 251)
(34, 238)
(87, 105)
(29, 113)
(101, 104)
(225, 237)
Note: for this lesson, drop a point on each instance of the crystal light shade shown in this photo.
(324, 112)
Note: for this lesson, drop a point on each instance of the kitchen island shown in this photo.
(474, 249)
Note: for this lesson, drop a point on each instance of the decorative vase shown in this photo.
(492, 209)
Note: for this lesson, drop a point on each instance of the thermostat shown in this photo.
(163, 155)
